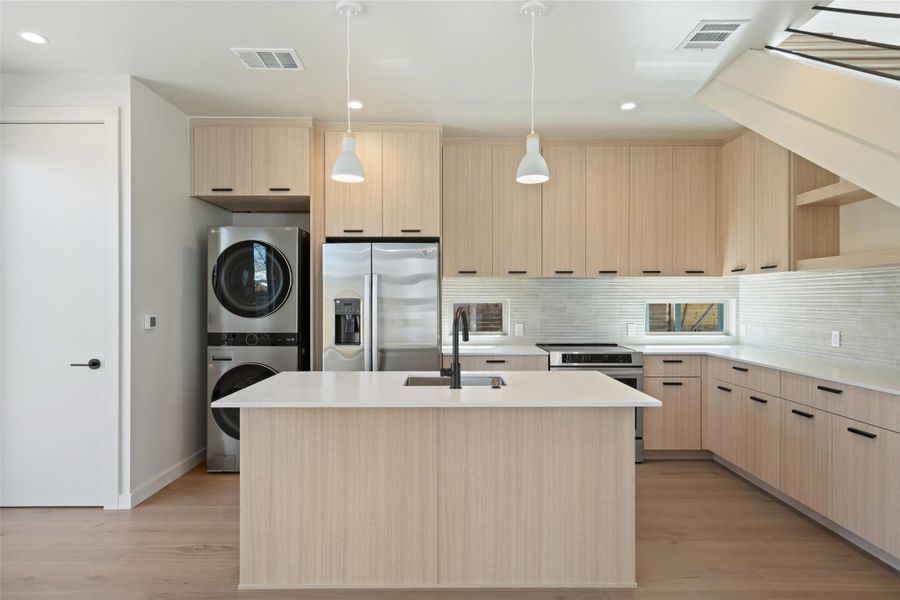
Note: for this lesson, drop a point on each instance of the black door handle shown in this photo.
(279, 189)
(741, 369)
(802, 414)
(830, 390)
(673, 360)
(94, 363)
(672, 383)
(760, 400)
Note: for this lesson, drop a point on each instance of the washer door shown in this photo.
(229, 419)
(251, 279)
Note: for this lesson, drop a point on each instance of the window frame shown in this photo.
(728, 316)
(504, 307)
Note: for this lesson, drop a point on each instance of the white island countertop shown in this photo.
(385, 389)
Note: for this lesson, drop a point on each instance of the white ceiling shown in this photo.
(461, 63)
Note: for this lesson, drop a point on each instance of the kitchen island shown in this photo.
(356, 480)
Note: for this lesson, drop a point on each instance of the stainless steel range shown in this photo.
(622, 364)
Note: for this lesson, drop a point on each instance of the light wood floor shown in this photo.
(703, 534)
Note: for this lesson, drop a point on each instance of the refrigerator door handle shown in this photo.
(374, 320)
(367, 319)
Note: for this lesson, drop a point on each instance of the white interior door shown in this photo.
(54, 418)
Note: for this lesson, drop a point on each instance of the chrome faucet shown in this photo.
(460, 316)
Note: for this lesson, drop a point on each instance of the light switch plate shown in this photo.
(149, 322)
(836, 339)
(631, 329)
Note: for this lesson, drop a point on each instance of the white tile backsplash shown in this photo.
(787, 311)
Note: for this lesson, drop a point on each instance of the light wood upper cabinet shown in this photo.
(606, 211)
(771, 206)
(354, 209)
(737, 206)
(675, 425)
(468, 227)
(411, 166)
(865, 490)
(563, 202)
(516, 218)
(762, 436)
(221, 161)
(695, 186)
(806, 455)
(279, 161)
(651, 210)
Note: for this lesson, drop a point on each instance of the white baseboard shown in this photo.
(128, 501)
(862, 544)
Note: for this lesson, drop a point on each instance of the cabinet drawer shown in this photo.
(760, 379)
(806, 455)
(676, 424)
(501, 362)
(865, 490)
(672, 366)
(849, 401)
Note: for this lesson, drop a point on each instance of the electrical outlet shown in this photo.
(519, 329)
(836, 339)
(149, 322)
(631, 329)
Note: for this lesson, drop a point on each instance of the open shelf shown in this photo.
(835, 194)
(872, 258)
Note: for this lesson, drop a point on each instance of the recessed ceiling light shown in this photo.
(355, 104)
(34, 38)
(628, 106)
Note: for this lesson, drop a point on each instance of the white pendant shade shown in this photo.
(347, 167)
(532, 167)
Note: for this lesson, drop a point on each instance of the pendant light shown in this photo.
(533, 167)
(347, 167)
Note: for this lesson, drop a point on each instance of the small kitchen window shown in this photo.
(686, 318)
(485, 318)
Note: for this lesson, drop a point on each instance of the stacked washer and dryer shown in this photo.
(257, 322)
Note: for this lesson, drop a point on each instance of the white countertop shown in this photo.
(385, 389)
(488, 350)
(881, 378)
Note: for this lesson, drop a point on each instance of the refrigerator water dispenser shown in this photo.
(346, 321)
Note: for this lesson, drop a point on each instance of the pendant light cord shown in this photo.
(349, 130)
(532, 72)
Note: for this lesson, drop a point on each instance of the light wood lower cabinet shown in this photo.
(806, 455)
(675, 425)
(761, 454)
(726, 421)
(505, 362)
(865, 491)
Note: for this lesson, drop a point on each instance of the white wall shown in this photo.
(869, 225)
(168, 265)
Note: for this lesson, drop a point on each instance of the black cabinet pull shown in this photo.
(695, 272)
(564, 272)
(672, 383)
(651, 272)
(517, 272)
(760, 400)
(674, 361)
(279, 189)
(495, 361)
(607, 272)
(738, 269)
(353, 230)
(768, 267)
(467, 272)
(741, 369)
(222, 190)
(867, 434)
(802, 414)
(410, 231)
(723, 388)
(830, 390)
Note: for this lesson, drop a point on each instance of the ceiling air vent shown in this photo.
(709, 35)
(269, 59)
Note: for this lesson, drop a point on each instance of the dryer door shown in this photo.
(229, 419)
(251, 279)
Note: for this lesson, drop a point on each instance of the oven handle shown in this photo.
(614, 373)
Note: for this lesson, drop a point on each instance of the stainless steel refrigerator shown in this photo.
(381, 307)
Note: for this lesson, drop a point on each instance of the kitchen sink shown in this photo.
(467, 381)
